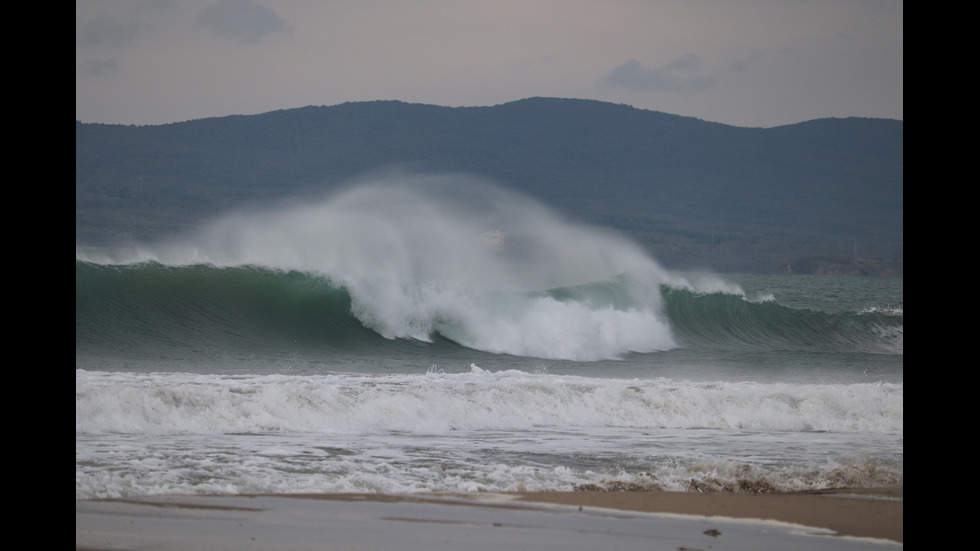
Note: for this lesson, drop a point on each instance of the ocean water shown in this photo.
(428, 336)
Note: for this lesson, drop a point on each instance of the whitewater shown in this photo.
(435, 333)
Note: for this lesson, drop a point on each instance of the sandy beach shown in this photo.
(838, 519)
(872, 513)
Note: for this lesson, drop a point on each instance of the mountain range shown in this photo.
(819, 196)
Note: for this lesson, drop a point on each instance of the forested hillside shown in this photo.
(822, 195)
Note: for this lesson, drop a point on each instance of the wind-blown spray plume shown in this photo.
(449, 230)
(450, 255)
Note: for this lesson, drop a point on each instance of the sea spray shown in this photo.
(415, 256)
(377, 340)
(417, 229)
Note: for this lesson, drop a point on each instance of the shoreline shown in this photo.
(865, 512)
(854, 518)
(858, 512)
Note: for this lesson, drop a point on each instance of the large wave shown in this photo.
(420, 256)
(431, 259)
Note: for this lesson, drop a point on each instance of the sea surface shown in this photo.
(394, 338)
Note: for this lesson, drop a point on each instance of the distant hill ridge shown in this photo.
(695, 193)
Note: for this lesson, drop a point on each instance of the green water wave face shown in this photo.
(154, 309)
(446, 262)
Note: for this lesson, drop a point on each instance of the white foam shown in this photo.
(412, 252)
(435, 402)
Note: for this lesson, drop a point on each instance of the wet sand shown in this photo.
(838, 519)
(874, 513)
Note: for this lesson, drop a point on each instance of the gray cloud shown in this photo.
(675, 76)
(240, 20)
(156, 6)
(99, 68)
(746, 62)
(104, 31)
(757, 63)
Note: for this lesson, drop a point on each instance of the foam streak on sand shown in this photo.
(544, 520)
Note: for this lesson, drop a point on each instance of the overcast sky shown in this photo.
(740, 62)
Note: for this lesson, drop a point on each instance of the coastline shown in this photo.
(859, 512)
(855, 518)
